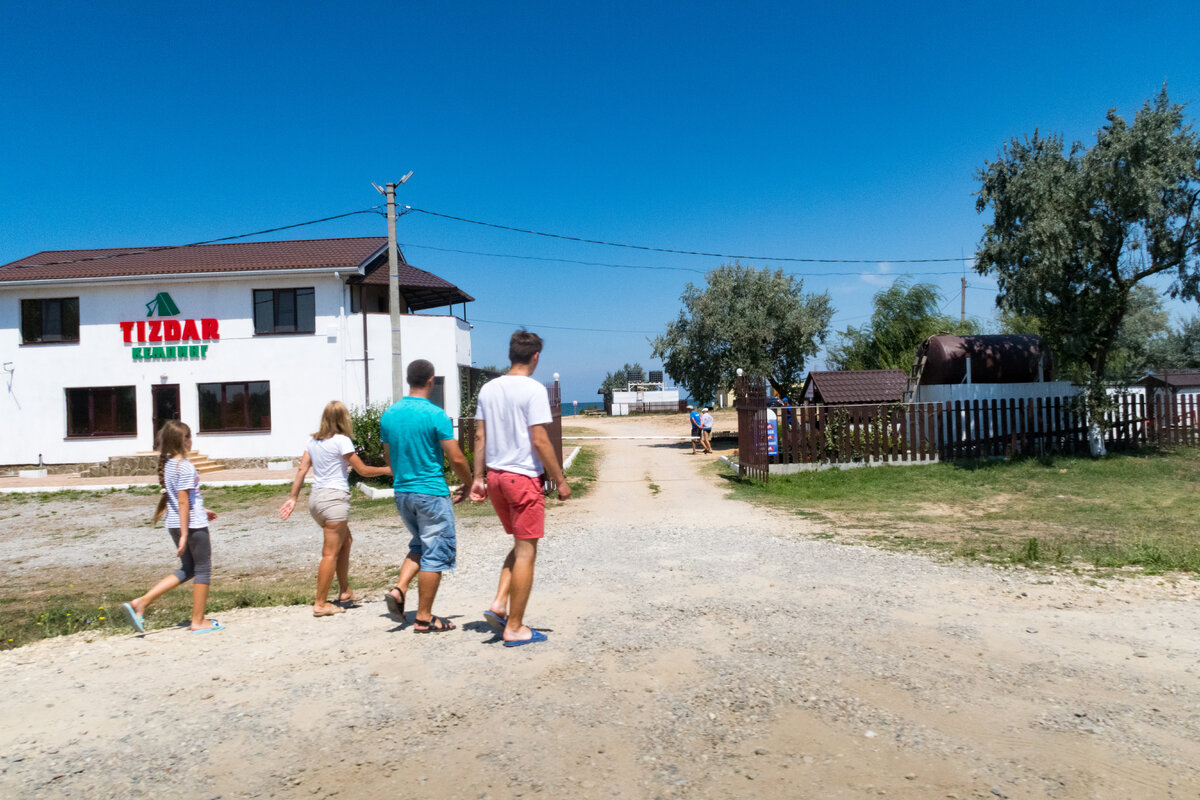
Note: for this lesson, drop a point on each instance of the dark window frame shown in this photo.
(225, 410)
(64, 312)
(114, 402)
(279, 304)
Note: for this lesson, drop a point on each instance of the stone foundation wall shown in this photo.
(244, 463)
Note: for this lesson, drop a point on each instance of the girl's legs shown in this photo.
(343, 564)
(330, 551)
(140, 604)
(199, 600)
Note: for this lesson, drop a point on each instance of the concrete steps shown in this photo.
(203, 464)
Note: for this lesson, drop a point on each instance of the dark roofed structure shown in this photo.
(855, 386)
(1184, 379)
(363, 258)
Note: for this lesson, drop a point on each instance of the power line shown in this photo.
(685, 252)
(197, 244)
(643, 266)
(558, 327)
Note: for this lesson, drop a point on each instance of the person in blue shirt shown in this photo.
(416, 435)
(694, 416)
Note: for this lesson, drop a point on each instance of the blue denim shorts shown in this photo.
(430, 520)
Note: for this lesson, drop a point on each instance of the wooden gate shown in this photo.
(466, 432)
(753, 431)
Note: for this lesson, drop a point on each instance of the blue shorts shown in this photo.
(430, 520)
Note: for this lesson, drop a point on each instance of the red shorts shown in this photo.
(519, 503)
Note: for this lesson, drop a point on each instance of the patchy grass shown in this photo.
(55, 607)
(1120, 511)
(582, 473)
(58, 610)
(576, 430)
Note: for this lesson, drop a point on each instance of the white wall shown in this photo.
(305, 371)
(623, 401)
(992, 391)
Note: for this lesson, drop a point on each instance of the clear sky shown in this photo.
(810, 130)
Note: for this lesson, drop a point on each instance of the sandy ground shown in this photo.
(699, 647)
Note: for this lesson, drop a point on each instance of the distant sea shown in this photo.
(570, 409)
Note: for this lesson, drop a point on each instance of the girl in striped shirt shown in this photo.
(187, 522)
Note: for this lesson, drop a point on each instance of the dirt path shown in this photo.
(699, 647)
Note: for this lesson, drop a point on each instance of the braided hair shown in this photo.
(172, 442)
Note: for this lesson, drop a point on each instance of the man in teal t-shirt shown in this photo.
(416, 435)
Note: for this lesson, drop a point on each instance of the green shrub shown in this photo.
(367, 441)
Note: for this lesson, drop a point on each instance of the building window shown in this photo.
(50, 320)
(235, 406)
(284, 311)
(438, 395)
(107, 411)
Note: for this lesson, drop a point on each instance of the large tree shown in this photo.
(1144, 341)
(1075, 229)
(758, 320)
(904, 316)
(1183, 346)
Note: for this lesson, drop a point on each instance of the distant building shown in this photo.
(244, 342)
(854, 386)
(1183, 382)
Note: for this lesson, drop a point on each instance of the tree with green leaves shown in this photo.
(1182, 350)
(758, 320)
(1075, 229)
(618, 381)
(905, 315)
(1143, 342)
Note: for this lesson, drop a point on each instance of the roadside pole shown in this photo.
(394, 289)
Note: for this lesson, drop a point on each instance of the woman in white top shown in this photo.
(330, 454)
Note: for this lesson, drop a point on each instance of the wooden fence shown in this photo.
(924, 432)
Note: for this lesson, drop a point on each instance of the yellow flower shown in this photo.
(102, 619)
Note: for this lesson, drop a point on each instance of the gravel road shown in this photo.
(699, 647)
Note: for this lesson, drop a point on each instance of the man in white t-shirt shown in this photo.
(512, 443)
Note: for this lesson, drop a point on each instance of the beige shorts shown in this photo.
(329, 505)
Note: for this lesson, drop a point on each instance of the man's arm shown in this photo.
(478, 490)
(458, 462)
(545, 450)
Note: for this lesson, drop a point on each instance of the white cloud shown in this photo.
(882, 277)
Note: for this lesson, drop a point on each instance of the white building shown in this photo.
(244, 342)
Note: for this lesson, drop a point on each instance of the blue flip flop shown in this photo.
(537, 636)
(216, 626)
(495, 620)
(135, 619)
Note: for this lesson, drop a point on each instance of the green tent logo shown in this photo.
(163, 305)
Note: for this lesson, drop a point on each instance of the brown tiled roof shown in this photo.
(1186, 379)
(857, 386)
(421, 289)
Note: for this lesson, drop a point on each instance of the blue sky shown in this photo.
(841, 131)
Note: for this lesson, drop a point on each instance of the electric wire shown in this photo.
(684, 252)
(560, 327)
(124, 253)
(644, 266)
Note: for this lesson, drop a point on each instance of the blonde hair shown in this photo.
(172, 442)
(335, 419)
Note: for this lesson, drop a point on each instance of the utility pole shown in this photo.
(962, 314)
(394, 287)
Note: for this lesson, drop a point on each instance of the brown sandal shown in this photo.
(442, 625)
